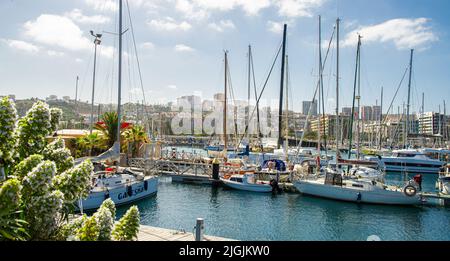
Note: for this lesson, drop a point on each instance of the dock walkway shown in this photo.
(148, 233)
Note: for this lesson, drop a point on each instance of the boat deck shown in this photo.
(148, 233)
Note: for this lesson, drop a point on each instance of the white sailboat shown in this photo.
(122, 185)
(248, 182)
(334, 185)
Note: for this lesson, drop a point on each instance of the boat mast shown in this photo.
(280, 110)
(409, 98)
(380, 121)
(350, 133)
(97, 41)
(320, 85)
(248, 93)
(119, 81)
(286, 124)
(225, 104)
(358, 150)
(337, 91)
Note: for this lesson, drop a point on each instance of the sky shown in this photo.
(46, 44)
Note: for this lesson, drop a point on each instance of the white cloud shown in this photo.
(62, 32)
(21, 45)
(200, 9)
(183, 48)
(298, 8)
(102, 5)
(56, 30)
(190, 11)
(252, 7)
(78, 60)
(275, 27)
(55, 53)
(147, 45)
(404, 33)
(169, 24)
(222, 25)
(77, 15)
(172, 87)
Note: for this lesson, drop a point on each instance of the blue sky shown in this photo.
(45, 44)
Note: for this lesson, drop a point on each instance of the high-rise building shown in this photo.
(366, 113)
(431, 123)
(219, 97)
(307, 104)
(376, 113)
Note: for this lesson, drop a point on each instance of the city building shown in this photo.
(328, 125)
(431, 123)
(347, 111)
(366, 113)
(306, 105)
(376, 113)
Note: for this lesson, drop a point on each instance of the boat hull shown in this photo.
(262, 188)
(120, 195)
(410, 165)
(383, 197)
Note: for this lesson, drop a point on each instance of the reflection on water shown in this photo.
(252, 216)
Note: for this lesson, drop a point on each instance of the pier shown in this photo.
(148, 233)
(439, 198)
(188, 171)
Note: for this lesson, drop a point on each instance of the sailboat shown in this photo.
(333, 184)
(221, 150)
(121, 185)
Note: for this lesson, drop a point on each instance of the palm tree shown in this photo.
(108, 127)
(91, 143)
(135, 136)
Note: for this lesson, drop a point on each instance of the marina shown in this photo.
(289, 216)
(180, 136)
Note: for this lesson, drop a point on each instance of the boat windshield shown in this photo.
(236, 179)
(404, 155)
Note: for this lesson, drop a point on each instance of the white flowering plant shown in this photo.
(41, 181)
(8, 118)
(128, 226)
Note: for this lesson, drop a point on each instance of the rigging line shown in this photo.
(130, 86)
(315, 93)
(233, 99)
(83, 81)
(256, 94)
(137, 57)
(396, 92)
(330, 73)
(262, 91)
(393, 99)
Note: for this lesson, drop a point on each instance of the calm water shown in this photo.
(252, 216)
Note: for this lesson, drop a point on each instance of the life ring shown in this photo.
(410, 190)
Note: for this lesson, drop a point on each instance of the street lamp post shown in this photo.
(97, 41)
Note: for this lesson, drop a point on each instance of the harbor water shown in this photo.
(252, 216)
